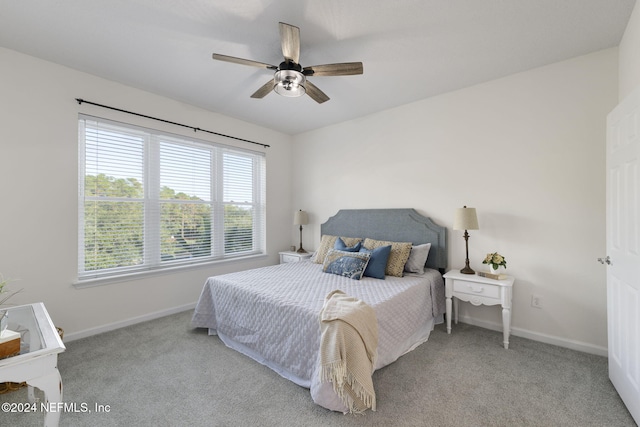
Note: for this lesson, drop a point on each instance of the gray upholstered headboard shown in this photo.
(396, 225)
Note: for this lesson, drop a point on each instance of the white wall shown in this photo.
(629, 68)
(527, 151)
(38, 183)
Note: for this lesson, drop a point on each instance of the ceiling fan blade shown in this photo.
(315, 93)
(290, 39)
(241, 61)
(264, 90)
(341, 69)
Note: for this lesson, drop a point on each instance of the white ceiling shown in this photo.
(411, 49)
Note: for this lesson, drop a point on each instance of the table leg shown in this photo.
(449, 313)
(456, 305)
(51, 385)
(506, 326)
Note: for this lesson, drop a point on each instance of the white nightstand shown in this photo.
(292, 256)
(479, 291)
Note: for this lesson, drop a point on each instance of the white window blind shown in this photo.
(150, 200)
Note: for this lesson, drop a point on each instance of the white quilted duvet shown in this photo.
(271, 313)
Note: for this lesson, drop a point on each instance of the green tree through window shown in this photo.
(151, 200)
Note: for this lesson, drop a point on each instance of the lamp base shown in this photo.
(301, 251)
(467, 270)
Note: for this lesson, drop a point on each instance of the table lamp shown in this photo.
(466, 219)
(301, 218)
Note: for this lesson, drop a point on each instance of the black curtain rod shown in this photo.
(195, 129)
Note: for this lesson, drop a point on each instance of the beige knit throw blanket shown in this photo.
(348, 350)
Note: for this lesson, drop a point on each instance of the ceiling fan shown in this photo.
(290, 78)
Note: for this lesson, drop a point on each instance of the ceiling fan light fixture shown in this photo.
(290, 83)
(290, 77)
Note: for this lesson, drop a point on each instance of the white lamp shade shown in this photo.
(466, 219)
(301, 218)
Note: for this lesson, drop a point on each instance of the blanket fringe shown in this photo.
(337, 373)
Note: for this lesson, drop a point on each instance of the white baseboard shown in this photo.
(537, 336)
(128, 322)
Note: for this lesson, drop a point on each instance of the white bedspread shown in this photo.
(271, 313)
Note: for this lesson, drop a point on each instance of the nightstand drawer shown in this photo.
(477, 289)
(289, 258)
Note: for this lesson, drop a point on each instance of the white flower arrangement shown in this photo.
(495, 260)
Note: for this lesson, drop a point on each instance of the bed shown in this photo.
(271, 314)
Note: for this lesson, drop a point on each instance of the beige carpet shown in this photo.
(163, 373)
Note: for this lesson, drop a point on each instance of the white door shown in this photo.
(623, 250)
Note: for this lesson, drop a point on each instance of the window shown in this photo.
(150, 200)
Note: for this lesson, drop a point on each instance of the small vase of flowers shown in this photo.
(495, 261)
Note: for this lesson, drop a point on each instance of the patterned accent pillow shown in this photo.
(347, 264)
(397, 259)
(328, 242)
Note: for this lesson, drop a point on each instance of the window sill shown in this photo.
(106, 280)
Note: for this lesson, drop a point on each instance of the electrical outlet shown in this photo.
(536, 301)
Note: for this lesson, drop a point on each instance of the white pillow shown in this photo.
(417, 258)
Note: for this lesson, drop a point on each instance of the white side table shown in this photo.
(479, 291)
(292, 256)
(37, 363)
